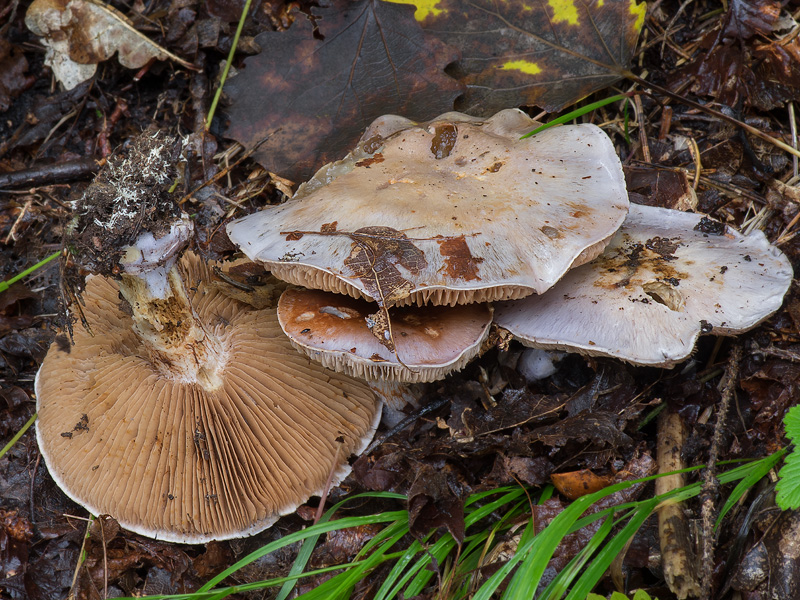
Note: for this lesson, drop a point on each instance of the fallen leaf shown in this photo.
(375, 252)
(79, 34)
(373, 258)
(434, 501)
(325, 85)
(575, 484)
(660, 187)
(764, 76)
(548, 54)
(745, 18)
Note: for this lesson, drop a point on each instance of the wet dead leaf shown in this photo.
(764, 76)
(770, 568)
(373, 258)
(79, 34)
(548, 54)
(575, 484)
(341, 545)
(325, 85)
(745, 18)
(660, 187)
(600, 427)
(434, 500)
(375, 253)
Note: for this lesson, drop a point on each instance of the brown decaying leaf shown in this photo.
(660, 187)
(745, 18)
(548, 54)
(373, 256)
(770, 568)
(375, 252)
(312, 96)
(575, 484)
(81, 33)
(761, 75)
(434, 500)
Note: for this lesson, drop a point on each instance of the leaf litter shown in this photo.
(494, 427)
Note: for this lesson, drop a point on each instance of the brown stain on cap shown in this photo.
(460, 264)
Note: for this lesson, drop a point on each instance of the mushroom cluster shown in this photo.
(187, 415)
(458, 211)
(442, 215)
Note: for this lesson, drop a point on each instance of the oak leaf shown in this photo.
(549, 54)
(313, 90)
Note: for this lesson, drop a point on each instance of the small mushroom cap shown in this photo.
(431, 341)
(456, 210)
(660, 283)
(176, 461)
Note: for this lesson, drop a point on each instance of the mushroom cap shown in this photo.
(452, 211)
(172, 460)
(660, 283)
(431, 341)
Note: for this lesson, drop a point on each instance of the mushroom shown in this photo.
(191, 419)
(430, 341)
(665, 278)
(452, 211)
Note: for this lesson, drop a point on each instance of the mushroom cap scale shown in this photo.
(658, 285)
(453, 211)
(430, 341)
(179, 462)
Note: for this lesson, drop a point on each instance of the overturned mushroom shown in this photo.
(665, 278)
(430, 341)
(456, 210)
(192, 419)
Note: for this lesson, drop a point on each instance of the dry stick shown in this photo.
(677, 553)
(405, 423)
(710, 481)
(48, 174)
(715, 113)
(328, 484)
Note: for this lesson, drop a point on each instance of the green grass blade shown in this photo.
(758, 471)
(558, 587)
(4, 285)
(591, 576)
(578, 112)
(228, 63)
(310, 543)
(344, 523)
(18, 435)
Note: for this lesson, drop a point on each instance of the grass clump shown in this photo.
(491, 517)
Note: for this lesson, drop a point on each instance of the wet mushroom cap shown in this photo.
(665, 278)
(186, 462)
(430, 341)
(453, 211)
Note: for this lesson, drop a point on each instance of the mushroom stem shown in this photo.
(178, 344)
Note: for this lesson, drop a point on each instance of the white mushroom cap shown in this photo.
(191, 460)
(660, 283)
(452, 211)
(431, 341)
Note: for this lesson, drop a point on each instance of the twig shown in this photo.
(47, 174)
(710, 111)
(405, 423)
(710, 481)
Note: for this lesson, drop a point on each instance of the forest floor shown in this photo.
(741, 60)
